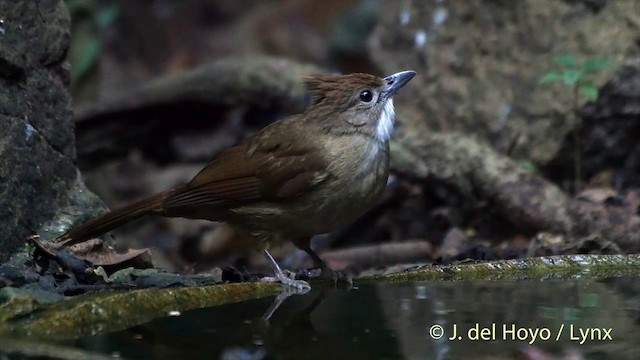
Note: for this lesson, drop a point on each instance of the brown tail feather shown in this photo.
(113, 219)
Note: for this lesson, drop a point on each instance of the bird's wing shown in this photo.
(248, 173)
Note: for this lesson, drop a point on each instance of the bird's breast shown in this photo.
(357, 183)
(357, 177)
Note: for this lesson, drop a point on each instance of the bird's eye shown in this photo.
(366, 96)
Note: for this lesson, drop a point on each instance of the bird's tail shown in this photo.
(113, 219)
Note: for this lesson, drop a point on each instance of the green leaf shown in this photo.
(571, 77)
(595, 64)
(550, 77)
(565, 60)
(88, 58)
(589, 91)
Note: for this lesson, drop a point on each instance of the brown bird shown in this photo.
(300, 176)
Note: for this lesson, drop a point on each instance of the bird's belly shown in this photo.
(335, 204)
(350, 200)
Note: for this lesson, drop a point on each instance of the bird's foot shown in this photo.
(288, 279)
(339, 278)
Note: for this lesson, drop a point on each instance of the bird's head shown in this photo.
(355, 102)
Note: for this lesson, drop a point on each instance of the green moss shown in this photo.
(565, 266)
(111, 311)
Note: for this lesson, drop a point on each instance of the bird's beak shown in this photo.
(396, 81)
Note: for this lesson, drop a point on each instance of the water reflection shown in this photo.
(389, 321)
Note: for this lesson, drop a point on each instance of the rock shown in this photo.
(38, 178)
(610, 129)
(479, 63)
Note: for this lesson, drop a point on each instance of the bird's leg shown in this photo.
(326, 272)
(282, 277)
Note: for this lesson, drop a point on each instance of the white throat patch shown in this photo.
(385, 122)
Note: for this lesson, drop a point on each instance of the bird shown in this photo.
(306, 174)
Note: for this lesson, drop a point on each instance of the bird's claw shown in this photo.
(288, 279)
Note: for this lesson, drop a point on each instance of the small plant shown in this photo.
(89, 18)
(578, 77)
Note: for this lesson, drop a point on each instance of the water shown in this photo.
(492, 319)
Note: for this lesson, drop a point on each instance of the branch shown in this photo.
(187, 103)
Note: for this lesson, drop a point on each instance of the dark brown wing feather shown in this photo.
(244, 174)
(254, 171)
